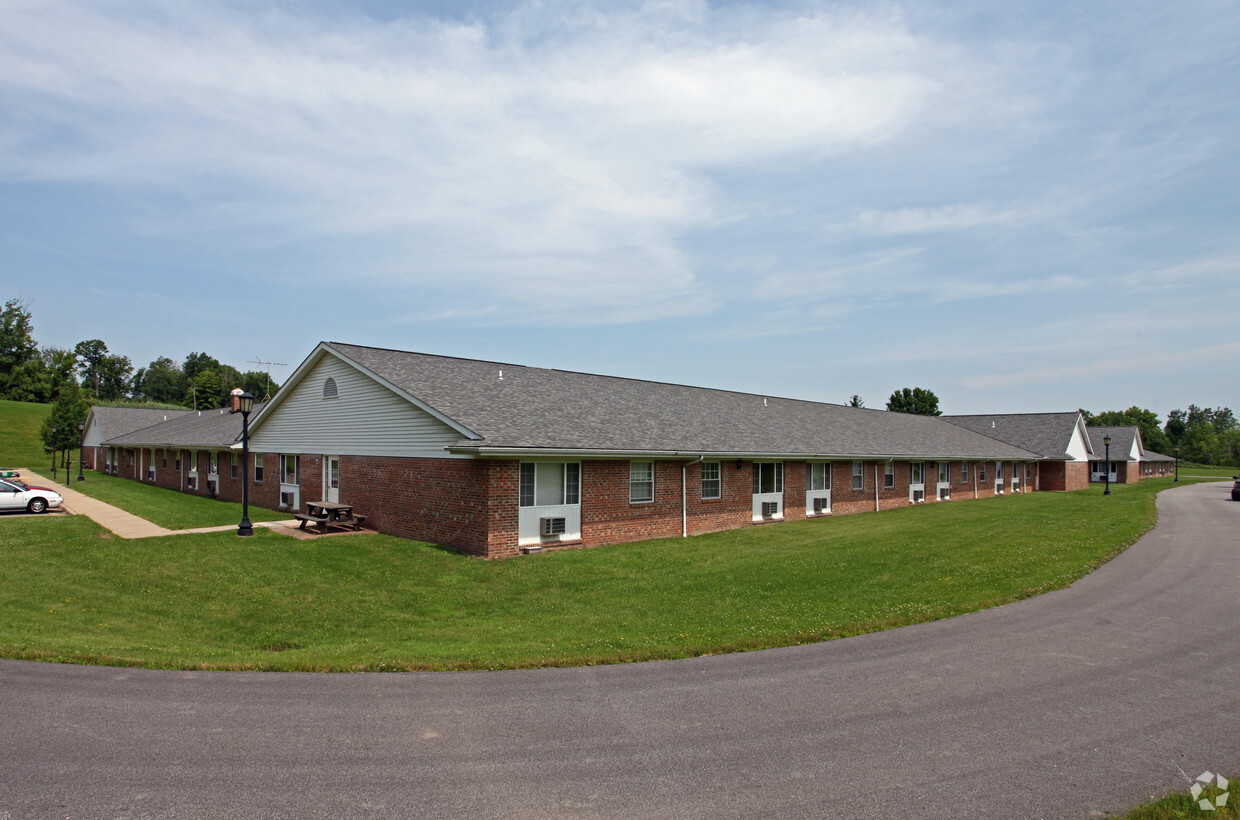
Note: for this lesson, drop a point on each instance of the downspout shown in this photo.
(684, 494)
(876, 507)
(975, 482)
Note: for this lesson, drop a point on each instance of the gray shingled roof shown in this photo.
(1047, 434)
(1121, 442)
(536, 408)
(117, 421)
(207, 429)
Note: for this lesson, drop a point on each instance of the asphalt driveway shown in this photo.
(1081, 701)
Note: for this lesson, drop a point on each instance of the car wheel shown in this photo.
(37, 505)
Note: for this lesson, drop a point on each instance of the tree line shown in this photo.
(73, 380)
(1204, 435)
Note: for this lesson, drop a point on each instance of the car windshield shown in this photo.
(15, 484)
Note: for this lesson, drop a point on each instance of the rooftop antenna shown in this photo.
(268, 366)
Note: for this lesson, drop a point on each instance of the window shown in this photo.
(768, 477)
(981, 472)
(550, 484)
(213, 463)
(944, 475)
(998, 471)
(193, 461)
(964, 472)
(233, 471)
(258, 466)
(712, 480)
(818, 476)
(917, 472)
(330, 390)
(178, 461)
(163, 459)
(1028, 472)
(889, 476)
(288, 469)
(641, 481)
(858, 475)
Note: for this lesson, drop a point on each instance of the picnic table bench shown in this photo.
(325, 514)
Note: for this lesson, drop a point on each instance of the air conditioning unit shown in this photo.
(286, 499)
(150, 474)
(192, 482)
(551, 526)
(822, 505)
(919, 496)
(945, 494)
(770, 508)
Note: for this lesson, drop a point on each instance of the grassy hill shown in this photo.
(20, 445)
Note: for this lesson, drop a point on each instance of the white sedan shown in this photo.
(14, 495)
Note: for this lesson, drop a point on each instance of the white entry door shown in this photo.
(331, 478)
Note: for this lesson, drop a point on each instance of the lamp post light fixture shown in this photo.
(243, 403)
(54, 448)
(1107, 441)
(81, 444)
(1177, 463)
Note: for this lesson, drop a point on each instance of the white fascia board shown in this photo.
(324, 349)
(533, 452)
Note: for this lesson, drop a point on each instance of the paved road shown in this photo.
(1081, 701)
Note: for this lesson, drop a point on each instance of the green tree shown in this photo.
(19, 353)
(916, 400)
(1146, 421)
(70, 408)
(855, 401)
(196, 363)
(161, 381)
(205, 391)
(90, 354)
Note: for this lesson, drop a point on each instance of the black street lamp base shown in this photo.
(245, 530)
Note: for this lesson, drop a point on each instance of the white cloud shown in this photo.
(530, 154)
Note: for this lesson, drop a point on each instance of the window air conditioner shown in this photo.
(770, 508)
(192, 482)
(822, 505)
(919, 496)
(551, 526)
(286, 499)
(945, 494)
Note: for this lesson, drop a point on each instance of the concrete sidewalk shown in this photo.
(122, 524)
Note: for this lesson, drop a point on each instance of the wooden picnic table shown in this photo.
(325, 514)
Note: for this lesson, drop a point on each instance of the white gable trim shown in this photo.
(323, 349)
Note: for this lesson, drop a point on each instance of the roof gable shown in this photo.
(1060, 436)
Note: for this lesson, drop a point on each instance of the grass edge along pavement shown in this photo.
(1183, 804)
(69, 592)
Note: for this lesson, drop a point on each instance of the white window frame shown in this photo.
(530, 513)
(709, 481)
(964, 472)
(258, 467)
(858, 475)
(817, 488)
(641, 473)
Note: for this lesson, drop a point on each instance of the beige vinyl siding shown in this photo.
(365, 419)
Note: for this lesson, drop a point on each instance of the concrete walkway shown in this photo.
(119, 522)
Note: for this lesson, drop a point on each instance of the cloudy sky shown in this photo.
(1023, 207)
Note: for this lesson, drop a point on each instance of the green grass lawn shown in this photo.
(70, 592)
(168, 508)
(20, 445)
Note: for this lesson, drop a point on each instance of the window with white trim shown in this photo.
(944, 472)
(549, 483)
(641, 481)
(768, 477)
(818, 475)
(288, 469)
(258, 466)
(233, 471)
(712, 480)
(917, 472)
(981, 471)
(964, 472)
(889, 475)
(858, 475)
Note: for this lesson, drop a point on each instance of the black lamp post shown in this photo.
(1177, 463)
(243, 403)
(81, 444)
(54, 449)
(1107, 441)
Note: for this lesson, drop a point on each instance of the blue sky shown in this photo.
(1023, 207)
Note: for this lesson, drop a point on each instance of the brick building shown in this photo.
(497, 459)
(1061, 441)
